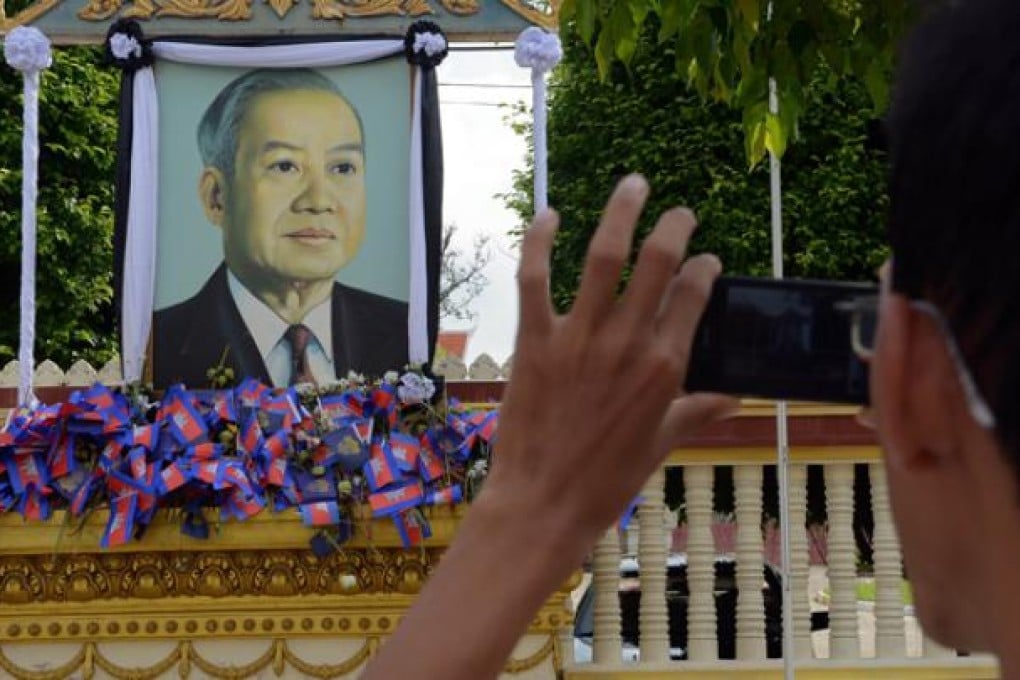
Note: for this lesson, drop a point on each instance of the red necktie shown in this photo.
(298, 336)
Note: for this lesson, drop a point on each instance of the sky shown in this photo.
(476, 90)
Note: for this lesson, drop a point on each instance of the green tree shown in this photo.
(77, 135)
(728, 49)
(645, 118)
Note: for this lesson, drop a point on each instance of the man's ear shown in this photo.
(212, 192)
(890, 382)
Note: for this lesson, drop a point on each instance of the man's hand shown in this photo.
(591, 410)
(593, 405)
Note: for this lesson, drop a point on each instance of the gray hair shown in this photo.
(217, 131)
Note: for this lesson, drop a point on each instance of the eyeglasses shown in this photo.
(864, 323)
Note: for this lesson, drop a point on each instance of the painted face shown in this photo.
(295, 209)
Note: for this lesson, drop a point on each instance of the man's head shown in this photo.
(954, 228)
(284, 176)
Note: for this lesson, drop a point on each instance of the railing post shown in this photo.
(654, 617)
(890, 636)
(799, 562)
(701, 634)
(839, 496)
(607, 647)
(750, 565)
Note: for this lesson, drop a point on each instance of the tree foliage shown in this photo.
(728, 49)
(77, 134)
(645, 118)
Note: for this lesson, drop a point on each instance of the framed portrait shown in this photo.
(295, 227)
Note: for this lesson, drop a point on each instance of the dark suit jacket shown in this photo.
(369, 335)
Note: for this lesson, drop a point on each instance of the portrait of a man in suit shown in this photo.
(283, 180)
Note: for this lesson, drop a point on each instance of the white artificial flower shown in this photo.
(391, 377)
(124, 46)
(430, 43)
(415, 389)
(537, 49)
(26, 49)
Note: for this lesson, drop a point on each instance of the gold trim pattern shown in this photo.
(25, 16)
(223, 10)
(277, 656)
(341, 9)
(547, 19)
(264, 573)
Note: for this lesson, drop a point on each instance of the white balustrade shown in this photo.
(607, 646)
(839, 494)
(890, 631)
(701, 619)
(654, 617)
(799, 562)
(750, 565)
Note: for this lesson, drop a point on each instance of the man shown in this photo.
(284, 180)
(945, 378)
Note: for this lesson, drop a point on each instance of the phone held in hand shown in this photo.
(790, 339)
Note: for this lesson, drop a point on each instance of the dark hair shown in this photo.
(217, 131)
(954, 222)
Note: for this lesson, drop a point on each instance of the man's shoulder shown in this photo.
(184, 315)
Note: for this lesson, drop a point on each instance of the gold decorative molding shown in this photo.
(342, 9)
(25, 16)
(261, 573)
(463, 8)
(223, 10)
(547, 18)
(277, 657)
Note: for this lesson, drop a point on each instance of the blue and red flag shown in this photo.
(34, 505)
(183, 420)
(450, 495)
(484, 423)
(406, 450)
(430, 467)
(174, 476)
(391, 501)
(320, 513)
(347, 447)
(412, 527)
(121, 525)
(61, 460)
(381, 469)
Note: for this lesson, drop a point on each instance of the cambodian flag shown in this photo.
(448, 496)
(430, 467)
(121, 524)
(99, 396)
(319, 514)
(251, 391)
(412, 527)
(115, 419)
(244, 505)
(27, 471)
(384, 398)
(34, 505)
(282, 411)
(205, 451)
(350, 451)
(61, 460)
(185, 423)
(251, 435)
(392, 501)
(381, 469)
(277, 472)
(82, 495)
(207, 471)
(485, 424)
(145, 435)
(174, 476)
(406, 450)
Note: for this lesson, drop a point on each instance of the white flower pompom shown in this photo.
(415, 389)
(27, 49)
(430, 43)
(124, 46)
(391, 377)
(537, 49)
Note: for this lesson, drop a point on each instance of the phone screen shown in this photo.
(788, 339)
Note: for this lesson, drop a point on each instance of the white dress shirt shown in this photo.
(268, 330)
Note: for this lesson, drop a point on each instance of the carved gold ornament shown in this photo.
(224, 10)
(277, 658)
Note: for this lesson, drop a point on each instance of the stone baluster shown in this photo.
(607, 646)
(701, 635)
(890, 635)
(750, 566)
(839, 496)
(799, 562)
(652, 543)
(933, 650)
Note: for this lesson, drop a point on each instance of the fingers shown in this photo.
(609, 250)
(690, 413)
(536, 311)
(661, 255)
(685, 301)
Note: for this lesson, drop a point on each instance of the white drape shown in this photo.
(29, 191)
(140, 253)
(417, 322)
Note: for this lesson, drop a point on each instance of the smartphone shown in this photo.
(784, 339)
